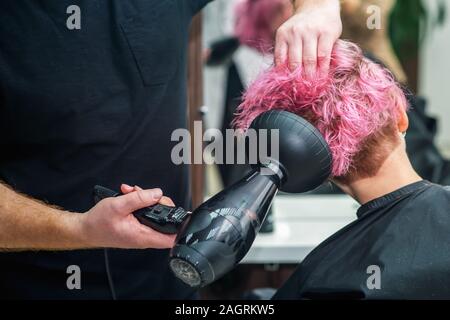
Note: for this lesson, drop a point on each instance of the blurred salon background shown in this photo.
(235, 38)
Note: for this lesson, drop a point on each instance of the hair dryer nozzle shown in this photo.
(303, 153)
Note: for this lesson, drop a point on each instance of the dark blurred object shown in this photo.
(424, 155)
(222, 51)
(242, 281)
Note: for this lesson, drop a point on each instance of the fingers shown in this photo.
(295, 54)
(135, 200)
(307, 38)
(300, 48)
(111, 224)
(149, 238)
(324, 49)
(281, 49)
(310, 55)
(311, 52)
(126, 188)
(167, 202)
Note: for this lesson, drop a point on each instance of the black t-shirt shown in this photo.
(95, 105)
(398, 248)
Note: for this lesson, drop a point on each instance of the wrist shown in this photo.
(76, 228)
(302, 5)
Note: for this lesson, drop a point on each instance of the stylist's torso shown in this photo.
(95, 105)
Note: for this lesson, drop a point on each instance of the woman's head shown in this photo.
(357, 108)
(258, 20)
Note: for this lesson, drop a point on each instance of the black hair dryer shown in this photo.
(220, 232)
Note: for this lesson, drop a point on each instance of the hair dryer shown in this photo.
(218, 234)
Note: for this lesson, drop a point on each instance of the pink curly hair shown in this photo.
(358, 100)
(253, 22)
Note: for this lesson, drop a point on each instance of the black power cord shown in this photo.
(109, 275)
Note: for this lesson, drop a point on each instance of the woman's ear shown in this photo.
(403, 122)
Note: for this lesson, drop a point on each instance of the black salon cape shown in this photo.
(95, 105)
(406, 234)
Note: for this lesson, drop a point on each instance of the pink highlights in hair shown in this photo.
(253, 22)
(356, 100)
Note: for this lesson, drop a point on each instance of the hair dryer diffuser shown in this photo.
(220, 232)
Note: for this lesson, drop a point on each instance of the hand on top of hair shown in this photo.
(307, 38)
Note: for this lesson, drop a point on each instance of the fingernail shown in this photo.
(157, 193)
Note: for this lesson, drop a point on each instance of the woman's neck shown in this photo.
(395, 173)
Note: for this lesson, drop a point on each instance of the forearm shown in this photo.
(28, 224)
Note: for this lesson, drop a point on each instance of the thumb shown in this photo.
(136, 200)
(125, 188)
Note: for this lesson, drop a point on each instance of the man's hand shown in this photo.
(28, 224)
(307, 38)
(111, 222)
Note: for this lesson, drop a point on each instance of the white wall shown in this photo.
(435, 75)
